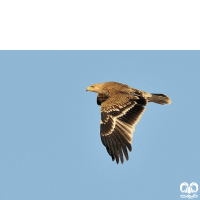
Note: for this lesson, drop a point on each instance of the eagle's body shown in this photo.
(121, 109)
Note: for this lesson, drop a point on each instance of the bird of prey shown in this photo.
(121, 109)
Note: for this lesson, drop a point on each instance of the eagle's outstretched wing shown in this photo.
(119, 115)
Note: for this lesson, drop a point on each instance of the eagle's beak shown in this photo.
(90, 89)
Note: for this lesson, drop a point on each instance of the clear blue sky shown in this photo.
(50, 147)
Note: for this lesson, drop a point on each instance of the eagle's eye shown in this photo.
(92, 86)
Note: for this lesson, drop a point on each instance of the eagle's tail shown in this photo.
(159, 98)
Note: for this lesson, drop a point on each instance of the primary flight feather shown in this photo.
(121, 109)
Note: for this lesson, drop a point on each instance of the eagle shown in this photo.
(121, 109)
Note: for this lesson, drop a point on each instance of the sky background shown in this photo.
(50, 147)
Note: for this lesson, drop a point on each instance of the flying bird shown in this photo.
(121, 109)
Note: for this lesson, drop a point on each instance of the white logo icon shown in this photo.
(192, 188)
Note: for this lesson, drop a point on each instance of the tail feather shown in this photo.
(159, 98)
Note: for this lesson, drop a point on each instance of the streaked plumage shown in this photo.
(121, 109)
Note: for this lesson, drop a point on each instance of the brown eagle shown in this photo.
(121, 109)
